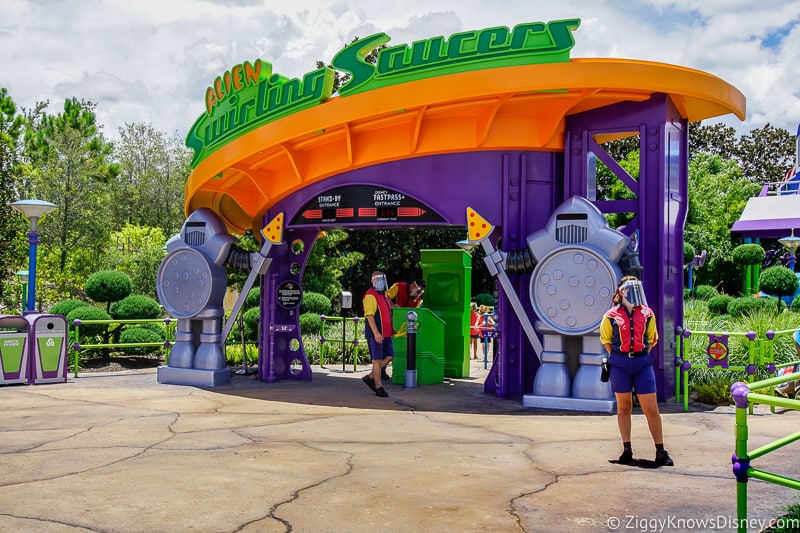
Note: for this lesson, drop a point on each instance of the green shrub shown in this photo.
(156, 328)
(135, 306)
(314, 302)
(748, 304)
(705, 292)
(233, 354)
(796, 305)
(716, 391)
(89, 312)
(310, 324)
(108, 286)
(139, 335)
(778, 281)
(251, 318)
(253, 299)
(63, 308)
(688, 253)
(748, 254)
(719, 304)
(484, 299)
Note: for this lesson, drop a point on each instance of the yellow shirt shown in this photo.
(370, 305)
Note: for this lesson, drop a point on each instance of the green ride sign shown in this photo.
(250, 95)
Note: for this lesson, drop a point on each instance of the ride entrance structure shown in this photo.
(500, 120)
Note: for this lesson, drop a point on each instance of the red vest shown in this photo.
(403, 298)
(383, 316)
(629, 331)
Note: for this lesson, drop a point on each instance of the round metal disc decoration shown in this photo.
(184, 282)
(572, 287)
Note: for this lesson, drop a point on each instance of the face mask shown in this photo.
(415, 292)
(379, 283)
(634, 292)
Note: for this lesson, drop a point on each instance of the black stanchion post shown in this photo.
(411, 350)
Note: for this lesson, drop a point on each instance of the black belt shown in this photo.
(631, 355)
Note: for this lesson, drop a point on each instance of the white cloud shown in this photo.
(150, 61)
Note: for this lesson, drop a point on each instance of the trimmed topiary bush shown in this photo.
(705, 292)
(250, 318)
(688, 253)
(108, 286)
(63, 308)
(314, 302)
(796, 305)
(747, 304)
(484, 298)
(719, 304)
(748, 254)
(253, 299)
(156, 328)
(135, 306)
(139, 335)
(89, 312)
(310, 324)
(778, 281)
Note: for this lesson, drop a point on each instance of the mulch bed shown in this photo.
(116, 363)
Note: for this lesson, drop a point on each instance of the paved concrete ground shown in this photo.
(120, 452)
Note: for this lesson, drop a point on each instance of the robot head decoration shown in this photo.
(633, 291)
(379, 282)
(575, 278)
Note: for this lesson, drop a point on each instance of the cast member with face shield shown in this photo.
(628, 332)
(405, 294)
(378, 331)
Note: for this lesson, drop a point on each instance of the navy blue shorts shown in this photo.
(628, 374)
(380, 350)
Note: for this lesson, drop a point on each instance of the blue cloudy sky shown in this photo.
(150, 61)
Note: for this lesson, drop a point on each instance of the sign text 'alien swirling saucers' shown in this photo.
(250, 95)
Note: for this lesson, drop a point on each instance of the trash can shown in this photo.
(14, 359)
(48, 348)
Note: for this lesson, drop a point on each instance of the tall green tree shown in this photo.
(70, 161)
(718, 193)
(149, 189)
(764, 154)
(713, 139)
(137, 251)
(12, 228)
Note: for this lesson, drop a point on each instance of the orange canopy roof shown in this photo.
(509, 108)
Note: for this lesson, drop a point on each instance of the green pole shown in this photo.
(743, 465)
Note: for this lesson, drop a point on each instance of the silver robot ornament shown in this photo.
(577, 260)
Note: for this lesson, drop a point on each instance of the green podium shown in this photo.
(430, 347)
(448, 277)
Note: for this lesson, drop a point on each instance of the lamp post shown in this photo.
(22, 276)
(33, 210)
(791, 243)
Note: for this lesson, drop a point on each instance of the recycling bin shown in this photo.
(14, 357)
(48, 348)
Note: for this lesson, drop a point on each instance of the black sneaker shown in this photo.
(380, 391)
(384, 375)
(626, 458)
(369, 382)
(663, 458)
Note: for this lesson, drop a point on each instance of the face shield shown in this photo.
(633, 291)
(379, 282)
(414, 291)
